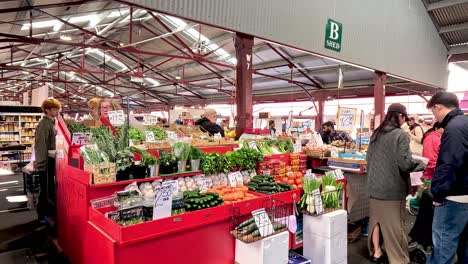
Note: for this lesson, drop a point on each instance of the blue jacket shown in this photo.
(451, 173)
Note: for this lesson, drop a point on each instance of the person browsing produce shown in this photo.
(449, 185)
(207, 123)
(45, 141)
(330, 134)
(389, 164)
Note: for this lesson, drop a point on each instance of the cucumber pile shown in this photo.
(267, 185)
(248, 231)
(195, 200)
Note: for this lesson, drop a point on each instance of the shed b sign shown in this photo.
(333, 34)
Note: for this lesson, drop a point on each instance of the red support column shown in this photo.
(320, 110)
(379, 96)
(244, 44)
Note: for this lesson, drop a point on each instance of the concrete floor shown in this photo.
(22, 239)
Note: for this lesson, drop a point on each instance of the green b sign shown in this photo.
(333, 33)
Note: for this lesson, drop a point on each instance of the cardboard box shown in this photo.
(326, 250)
(271, 250)
(327, 225)
(295, 258)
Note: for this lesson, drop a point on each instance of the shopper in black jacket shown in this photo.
(207, 123)
(450, 180)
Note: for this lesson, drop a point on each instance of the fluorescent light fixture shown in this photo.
(81, 19)
(178, 77)
(153, 82)
(17, 199)
(111, 94)
(24, 72)
(65, 37)
(8, 182)
(195, 35)
(118, 13)
(42, 24)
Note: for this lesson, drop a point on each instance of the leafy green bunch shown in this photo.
(181, 150)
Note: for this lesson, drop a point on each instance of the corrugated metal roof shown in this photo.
(456, 37)
(451, 15)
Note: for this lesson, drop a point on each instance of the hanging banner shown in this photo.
(346, 118)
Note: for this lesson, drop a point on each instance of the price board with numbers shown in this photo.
(116, 118)
(81, 138)
(346, 119)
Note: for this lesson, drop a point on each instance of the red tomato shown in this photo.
(298, 181)
(290, 182)
(294, 186)
(299, 186)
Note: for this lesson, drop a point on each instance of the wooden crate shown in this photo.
(103, 173)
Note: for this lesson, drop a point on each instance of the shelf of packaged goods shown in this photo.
(9, 131)
(9, 121)
(9, 140)
(13, 161)
(27, 136)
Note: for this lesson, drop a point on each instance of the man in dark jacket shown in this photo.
(208, 123)
(45, 141)
(450, 180)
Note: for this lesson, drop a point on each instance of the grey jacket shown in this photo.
(389, 163)
(44, 141)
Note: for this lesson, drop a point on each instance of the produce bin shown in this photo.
(201, 235)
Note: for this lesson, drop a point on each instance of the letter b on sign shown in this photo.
(333, 34)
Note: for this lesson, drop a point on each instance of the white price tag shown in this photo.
(253, 173)
(317, 201)
(263, 222)
(162, 202)
(309, 174)
(239, 178)
(203, 185)
(253, 145)
(297, 148)
(232, 179)
(81, 138)
(173, 184)
(116, 118)
(149, 135)
(339, 174)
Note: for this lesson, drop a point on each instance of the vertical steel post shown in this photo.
(244, 98)
(320, 110)
(379, 96)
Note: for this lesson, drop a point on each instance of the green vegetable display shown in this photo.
(248, 231)
(159, 133)
(135, 134)
(330, 192)
(307, 200)
(267, 185)
(146, 158)
(194, 200)
(77, 127)
(166, 159)
(195, 153)
(94, 156)
(212, 163)
(181, 150)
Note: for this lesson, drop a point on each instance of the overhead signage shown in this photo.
(333, 35)
(346, 119)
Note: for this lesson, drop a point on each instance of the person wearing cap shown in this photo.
(207, 123)
(45, 141)
(389, 163)
(449, 185)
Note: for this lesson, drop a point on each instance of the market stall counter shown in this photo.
(201, 235)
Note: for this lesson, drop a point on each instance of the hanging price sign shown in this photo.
(116, 118)
(346, 119)
(81, 138)
(263, 222)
